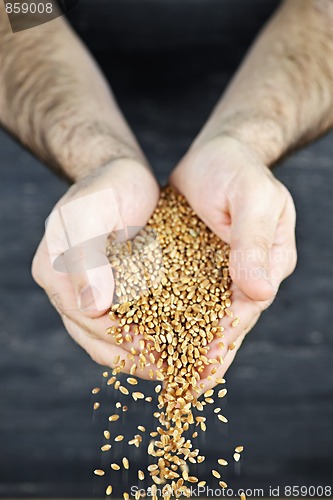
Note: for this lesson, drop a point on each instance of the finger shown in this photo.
(91, 277)
(106, 354)
(253, 225)
(76, 236)
(283, 256)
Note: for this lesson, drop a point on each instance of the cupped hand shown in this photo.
(239, 198)
(71, 264)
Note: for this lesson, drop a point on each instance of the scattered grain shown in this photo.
(99, 472)
(239, 449)
(113, 418)
(106, 447)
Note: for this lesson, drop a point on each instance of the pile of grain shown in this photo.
(172, 290)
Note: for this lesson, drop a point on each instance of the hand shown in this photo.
(71, 264)
(238, 197)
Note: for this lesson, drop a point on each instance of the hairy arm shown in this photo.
(54, 99)
(282, 95)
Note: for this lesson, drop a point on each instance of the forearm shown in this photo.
(54, 99)
(282, 95)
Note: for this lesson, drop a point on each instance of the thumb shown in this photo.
(76, 235)
(91, 276)
(251, 239)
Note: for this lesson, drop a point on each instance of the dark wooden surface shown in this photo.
(280, 402)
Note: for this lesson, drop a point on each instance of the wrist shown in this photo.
(263, 137)
(78, 152)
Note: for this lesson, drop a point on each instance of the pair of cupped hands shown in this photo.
(230, 189)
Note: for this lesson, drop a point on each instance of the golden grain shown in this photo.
(106, 447)
(222, 393)
(141, 475)
(239, 449)
(235, 322)
(173, 294)
(132, 381)
(99, 472)
(113, 418)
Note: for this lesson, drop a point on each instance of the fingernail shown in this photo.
(87, 298)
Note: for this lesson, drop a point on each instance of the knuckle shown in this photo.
(261, 242)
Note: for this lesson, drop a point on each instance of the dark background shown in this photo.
(168, 62)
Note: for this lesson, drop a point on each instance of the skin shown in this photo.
(280, 98)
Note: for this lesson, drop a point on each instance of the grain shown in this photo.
(222, 393)
(223, 462)
(222, 418)
(125, 463)
(242, 496)
(113, 418)
(119, 438)
(108, 490)
(223, 484)
(235, 322)
(216, 474)
(96, 406)
(141, 475)
(115, 466)
(106, 447)
(172, 287)
(239, 449)
(137, 395)
(99, 472)
(236, 457)
(95, 390)
(107, 434)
